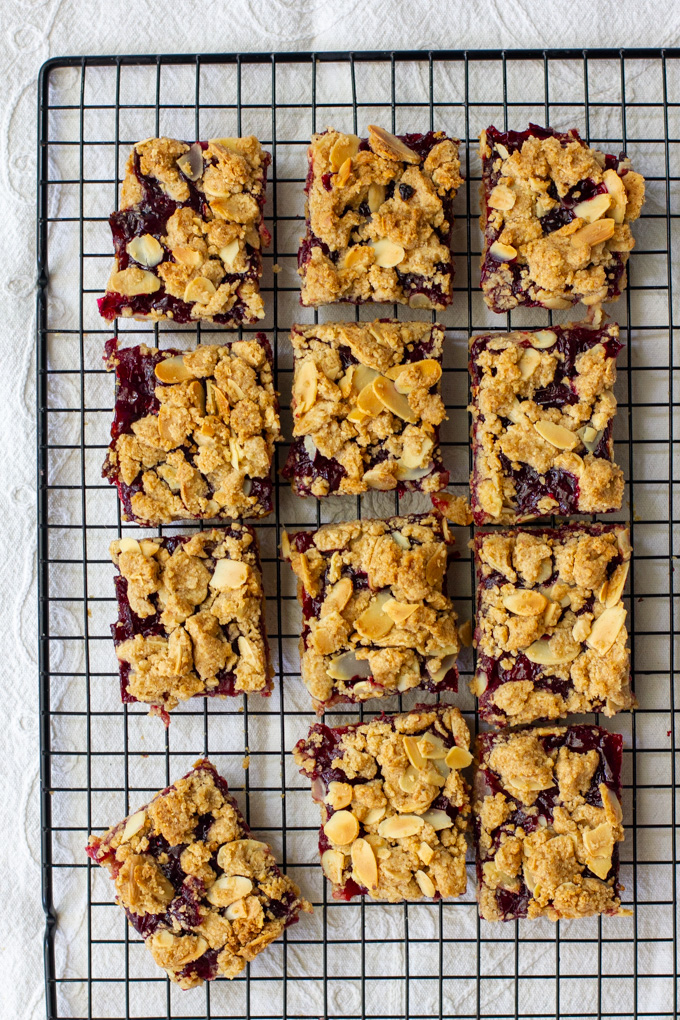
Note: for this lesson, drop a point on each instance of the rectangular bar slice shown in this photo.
(366, 408)
(190, 617)
(555, 217)
(547, 805)
(188, 234)
(204, 895)
(379, 215)
(193, 432)
(551, 633)
(376, 617)
(542, 410)
(394, 804)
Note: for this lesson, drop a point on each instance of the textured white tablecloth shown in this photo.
(31, 32)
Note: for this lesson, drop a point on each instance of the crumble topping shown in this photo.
(205, 897)
(194, 431)
(379, 218)
(394, 804)
(366, 396)
(542, 422)
(376, 619)
(191, 617)
(555, 217)
(189, 231)
(551, 635)
(548, 819)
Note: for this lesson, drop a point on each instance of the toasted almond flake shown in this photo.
(229, 253)
(354, 255)
(436, 567)
(606, 629)
(376, 196)
(338, 596)
(339, 795)
(412, 474)
(148, 547)
(557, 435)
(133, 825)
(368, 401)
(387, 253)
(343, 149)
(502, 252)
(617, 189)
(617, 583)
(590, 437)
(501, 150)
(458, 758)
(399, 612)
(612, 805)
(447, 663)
(542, 339)
(501, 197)
(600, 866)
(129, 545)
(581, 629)
(544, 653)
(526, 783)
(227, 889)
(431, 746)
(438, 819)
(623, 542)
(425, 883)
(408, 780)
(361, 377)
(343, 174)
(358, 416)
(385, 144)
(239, 208)
(386, 392)
(593, 208)
(400, 826)
(525, 602)
(427, 373)
(347, 666)
(594, 233)
(374, 623)
(528, 363)
(332, 864)
(420, 301)
(146, 250)
(216, 402)
(400, 540)
(374, 815)
(552, 613)
(364, 864)
(425, 852)
(305, 386)
(191, 162)
(187, 256)
(229, 574)
(341, 828)
(599, 842)
(413, 754)
(132, 281)
(172, 370)
(200, 289)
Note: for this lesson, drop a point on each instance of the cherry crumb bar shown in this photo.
(189, 231)
(394, 804)
(543, 411)
(376, 617)
(547, 806)
(366, 408)
(204, 895)
(556, 219)
(379, 217)
(551, 625)
(193, 431)
(190, 617)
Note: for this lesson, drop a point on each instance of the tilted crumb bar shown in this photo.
(190, 617)
(379, 218)
(189, 233)
(394, 804)
(555, 217)
(551, 625)
(376, 617)
(548, 821)
(543, 410)
(193, 431)
(366, 408)
(204, 895)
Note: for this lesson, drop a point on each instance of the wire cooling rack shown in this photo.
(101, 759)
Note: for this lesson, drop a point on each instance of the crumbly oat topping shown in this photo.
(394, 804)
(551, 635)
(204, 895)
(366, 397)
(376, 619)
(548, 820)
(379, 218)
(542, 423)
(189, 231)
(194, 431)
(190, 617)
(555, 217)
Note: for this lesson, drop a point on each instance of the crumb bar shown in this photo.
(193, 431)
(547, 806)
(366, 408)
(394, 804)
(379, 216)
(376, 617)
(190, 617)
(542, 410)
(188, 235)
(204, 895)
(551, 625)
(556, 219)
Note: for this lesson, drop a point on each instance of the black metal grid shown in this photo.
(99, 758)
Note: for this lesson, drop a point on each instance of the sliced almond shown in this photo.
(229, 253)
(458, 758)
(133, 825)
(148, 548)
(400, 540)
(617, 583)
(412, 748)
(385, 144)
(368, 400)
(599, 841)
(525, 602)
(358, 416)
(502, 252)
(590, 437)
(617, 189)
(431, 746)
(216, 402)
(412, 474)
(343, 173)
(396, 402)
(502, 151)
(612, 805)
(129, 545)
(248, 652)
(229, 574)
(623, 542)
(339, 795)
(501, 197)
(338, 596)
(528, 363)
(543, 339)
(400, 826)
(374, 623)
(425, 883)
(593, 208)
(408, 780)
(376, 196)
(420, 301)
(227, 889)
(354, 255)
(239, 208)
(346, 147)
(600, 866)
(427, 374)
(132, 281)
(581, 629)
(364, 864)
(436, 567)
(544, 653)
(187, 256)
(191, 162)
(399, 612)
(438, 819)
(347, 666)
(361, 376)
(594, 233)
(526, 783)
(557, 435)
(146, 250)
(305, 386)
(172, 370)
(606, 629)
(425, 852)
(374, 815)
(341, 828)
(333, 863)
(387, 253)
(200, 290)
(552, 613)
(447, 663)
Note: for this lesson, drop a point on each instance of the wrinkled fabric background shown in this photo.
(31, 31)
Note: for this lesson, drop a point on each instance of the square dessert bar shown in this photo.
(379, 216)
(551, 627)
(376, 618)
(193, 432)
(190, 617)
(547, 805)
(555, 217)
(188, 234)
(542, 410)
(366, 408)
(394, 804)
(204, 895)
